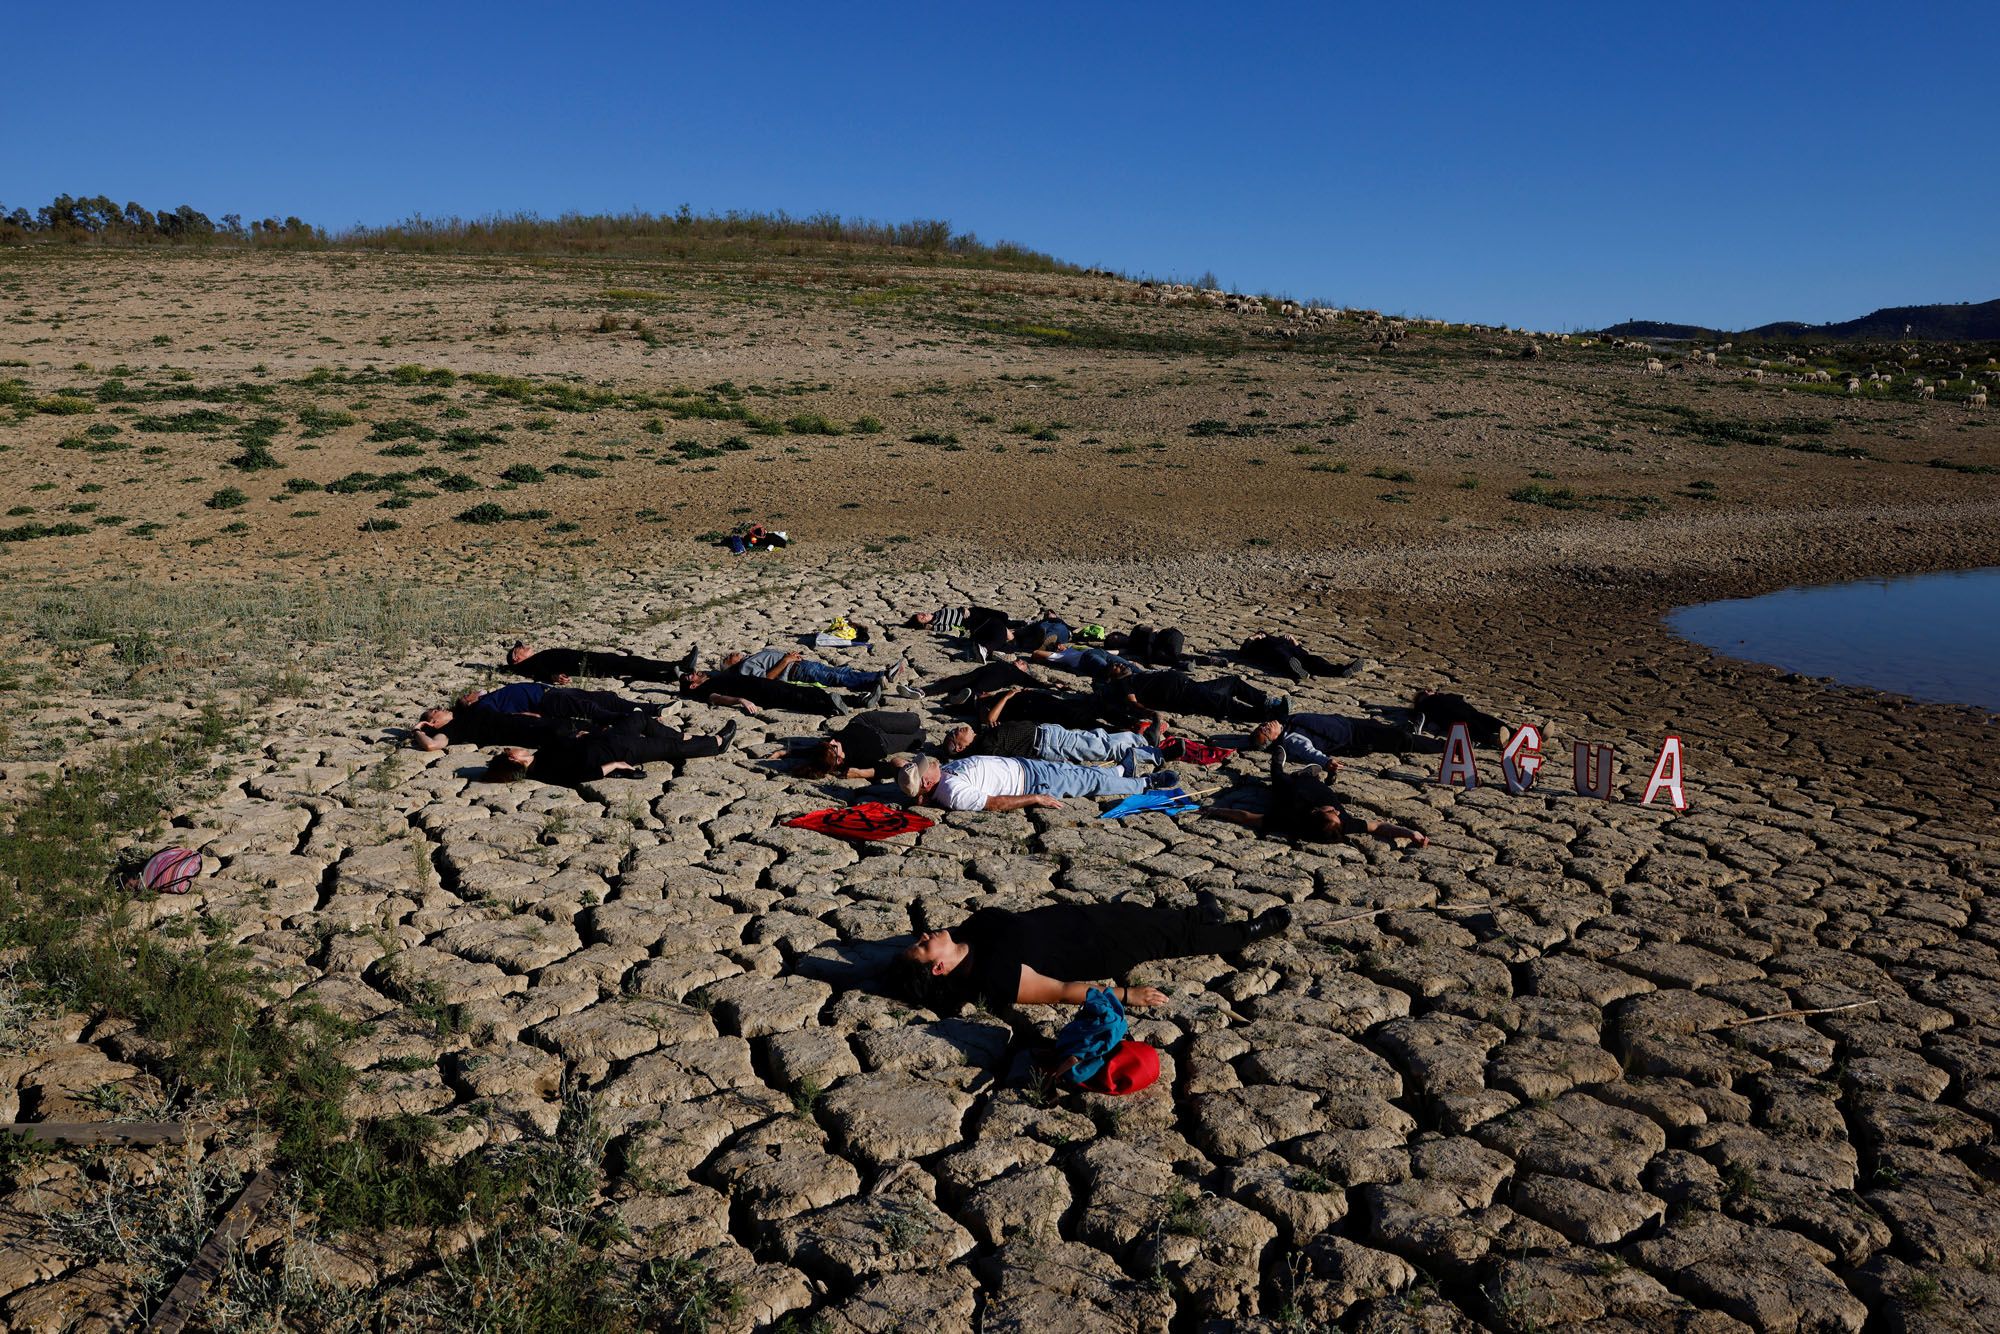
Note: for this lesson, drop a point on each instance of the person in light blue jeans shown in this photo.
(790, 665)
(1056, 779)
(1070, 745)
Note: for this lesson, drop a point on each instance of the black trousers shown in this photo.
(1226, 697)
(642, 741)
(1440, 711)
(1281, 657)
(986, 676)
(1163, 647)
(1138, 934)
(1051, 706)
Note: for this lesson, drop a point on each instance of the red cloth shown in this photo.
(1130, 1068)
(1195, 752)
(869, 820)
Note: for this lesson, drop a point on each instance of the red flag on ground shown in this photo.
(869, 820)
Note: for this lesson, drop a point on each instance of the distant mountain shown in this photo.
(1961, 323)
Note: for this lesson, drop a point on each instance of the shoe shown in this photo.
(692, 662)
(896, 669)
(958, 699)
(1277, 706)
(1271, 922)
(1295, 669)
(1165, 778)
(1209, 909)
(840, 704)
(1173, 748)
(909, 692)
(874, 700)
(985, 654)
(725, 736)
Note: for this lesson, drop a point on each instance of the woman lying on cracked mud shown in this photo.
(1000, 957)
(1305, 806)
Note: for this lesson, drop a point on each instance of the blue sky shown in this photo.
(1557, 166)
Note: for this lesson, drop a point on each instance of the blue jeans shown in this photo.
(1070, 745)
(807, 672)
(1076, 780)
(1036, 634)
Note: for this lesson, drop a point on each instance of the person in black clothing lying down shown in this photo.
(1047, 956)
(572, 761)
(558, 665)
(1305, 806)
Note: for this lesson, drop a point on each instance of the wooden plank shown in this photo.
(104, 1132)
(185, 1298)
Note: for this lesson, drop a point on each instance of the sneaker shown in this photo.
(895, 670)
(725, 736)
(840, 705)
(909, 692)
(958, 699)
(1209, 909)
(1271, 922)
(1165, 778)
(1295, 669)
(874, 700)
(985, 654)
(692, 662)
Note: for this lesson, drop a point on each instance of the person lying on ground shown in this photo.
(862, 748)
(1305, 806)
(1090, 662)
(780, 664)
(526, 713)
(1315, 738)
(973, 622)
(1162, 647)
(1052, 741)
(1284, 655)
(958, 690)
(558, 665)
(1436, 711)
(438, 728)
(733, 690)
(1042, 956)
(999, 783)
(1124, 694)
(573, 761)
(1066, 708)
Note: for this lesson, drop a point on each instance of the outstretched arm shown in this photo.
(1038, 990)
(1020, 803)
(1387, 832)
(732, 702)
(1248, 819)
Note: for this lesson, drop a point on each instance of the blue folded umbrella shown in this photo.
(1167, 801)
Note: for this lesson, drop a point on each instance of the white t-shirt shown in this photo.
(965, 784)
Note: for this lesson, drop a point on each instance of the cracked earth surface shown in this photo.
(1507, 1081)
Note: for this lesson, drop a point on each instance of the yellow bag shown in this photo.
(840, 629)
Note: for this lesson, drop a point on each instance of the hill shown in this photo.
(1961, 322)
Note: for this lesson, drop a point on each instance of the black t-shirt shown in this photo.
(591, 706)
(1070, 942)
(872, 737)
(1013, 739)
(765, 693)
(550, 663)
(1294, 798)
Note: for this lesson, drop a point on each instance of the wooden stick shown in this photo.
(179, 1307)
(105, 1132)
(1798, 1014)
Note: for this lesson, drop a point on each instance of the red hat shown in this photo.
(1133, 1066)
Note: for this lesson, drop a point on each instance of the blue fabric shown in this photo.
(808, 672)
(1073, 780)
(521, 697)
(1091, 1037)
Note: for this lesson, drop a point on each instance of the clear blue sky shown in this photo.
(1558, 166)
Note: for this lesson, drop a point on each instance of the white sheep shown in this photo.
(1853, 385)
(1654, 366)
(1927, 391)
(1976, 399)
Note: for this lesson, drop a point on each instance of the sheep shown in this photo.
(1654, 366)
(1927, 391)
(1708, 358)
(1853, 385)
(1976, 399)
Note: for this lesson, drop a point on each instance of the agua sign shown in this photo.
(1592, 765)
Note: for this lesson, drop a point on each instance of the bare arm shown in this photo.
(1387, 832)
(429, 740)
(1038, 990)
(732, 702)
(1020, 803)
(1248, 819)
(993, 714)
(785, 664)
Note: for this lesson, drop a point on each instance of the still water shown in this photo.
(1931, 636)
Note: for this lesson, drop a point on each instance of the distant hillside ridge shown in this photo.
(1963, 322)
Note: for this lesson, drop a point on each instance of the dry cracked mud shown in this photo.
(1519, 1079)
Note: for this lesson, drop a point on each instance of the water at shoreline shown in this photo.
(1933, 637)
